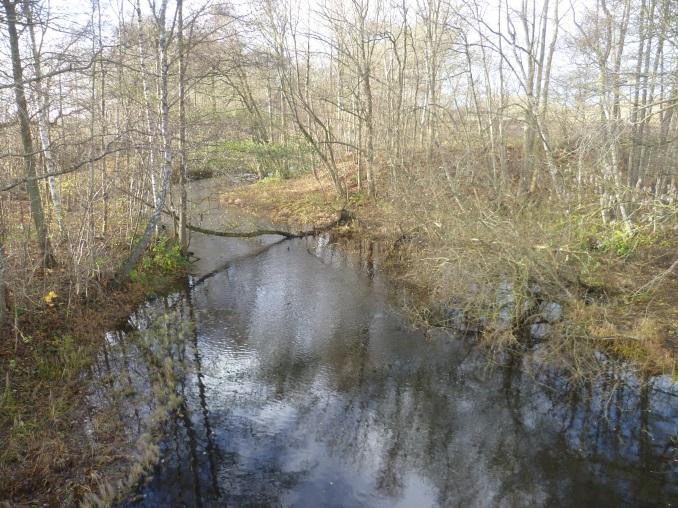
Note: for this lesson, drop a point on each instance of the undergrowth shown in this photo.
(44, 372)
(545, 252)
(494, 258)
(162, 263)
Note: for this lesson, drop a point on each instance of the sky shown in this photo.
(68, 16)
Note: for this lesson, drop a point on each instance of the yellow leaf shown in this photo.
(49, 298)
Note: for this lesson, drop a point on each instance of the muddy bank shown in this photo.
(55, 450)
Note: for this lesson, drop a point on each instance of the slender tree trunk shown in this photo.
(102, 122)
(43, 121)
(26, 137)
(94, 106)
(3, 289)
(359, 141)
(539, 90)
(639, 169)
(369, 121)
(138, 249)
(530, 113)
(147, 102)
(183, 232)
(636, 98)
(365, 71)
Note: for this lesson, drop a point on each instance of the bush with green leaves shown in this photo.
(163, 259)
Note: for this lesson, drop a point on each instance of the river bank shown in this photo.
(55, 450)
(519, 276)
(309, 387)
(59, 454)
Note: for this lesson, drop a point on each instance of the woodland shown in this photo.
(488, 142)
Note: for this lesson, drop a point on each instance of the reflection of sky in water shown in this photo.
(310, 392)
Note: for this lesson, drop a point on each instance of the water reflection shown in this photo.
(308, 390)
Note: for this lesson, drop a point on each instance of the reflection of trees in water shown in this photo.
(388, 408)
(613, 438)
(192, 362)
(620, 426)
(132, 393)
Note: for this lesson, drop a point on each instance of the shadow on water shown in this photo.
(305, 388)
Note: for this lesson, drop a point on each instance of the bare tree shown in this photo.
(165, 36)
(26, 135)
(42, 101)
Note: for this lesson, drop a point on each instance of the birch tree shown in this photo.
(42, 102)
(165, 36)
(37, 212)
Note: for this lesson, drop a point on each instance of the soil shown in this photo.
(46, 459)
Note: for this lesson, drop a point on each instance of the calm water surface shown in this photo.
(308, 389)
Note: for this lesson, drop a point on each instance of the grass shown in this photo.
(45, 458)
(454, 249)
(305, 202)
(450, 249)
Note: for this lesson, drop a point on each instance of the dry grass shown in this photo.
(307, 202)
(455, 250)
(45, 457)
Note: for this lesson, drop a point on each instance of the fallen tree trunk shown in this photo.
(245, 234)
(262, 232)
(342, 216)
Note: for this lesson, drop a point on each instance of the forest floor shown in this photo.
(48, 456)
(618, 293)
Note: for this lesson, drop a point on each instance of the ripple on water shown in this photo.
(309, 390)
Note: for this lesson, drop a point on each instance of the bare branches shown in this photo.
(534, 98)
(71, 169)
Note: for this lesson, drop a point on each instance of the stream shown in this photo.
(306, 387)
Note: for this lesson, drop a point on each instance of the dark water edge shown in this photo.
(305, 387)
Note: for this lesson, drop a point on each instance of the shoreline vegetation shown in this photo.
(606, 291)
(517, 163)
(56, 452)
(612, 304)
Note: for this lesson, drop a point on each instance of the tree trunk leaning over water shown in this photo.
(138, 249)
(26, 136)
